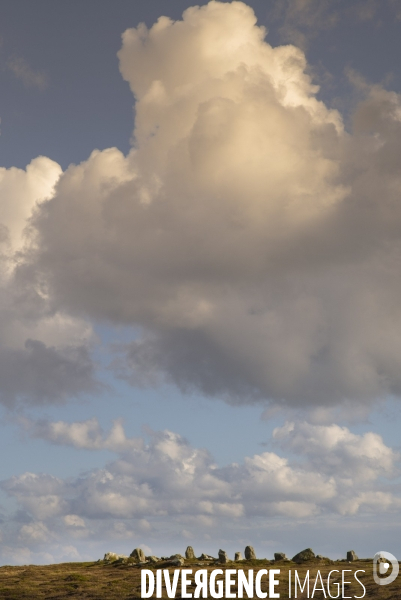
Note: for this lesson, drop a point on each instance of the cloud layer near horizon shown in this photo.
(166, 483)
(251, 240)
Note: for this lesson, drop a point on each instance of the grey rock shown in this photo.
(206, 557)
(177, 561)
(304, 555)
(112, 556)
(138, 554)
(250, 553)
(152, 559)
(280, 556)
(189, 553)
(326, 558)
(238, 556)
(223, 558)
(351, 556)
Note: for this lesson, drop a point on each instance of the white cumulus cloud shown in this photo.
(44, 353)
(159, 486)
(332, 468)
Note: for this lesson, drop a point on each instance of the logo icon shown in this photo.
(381, 564)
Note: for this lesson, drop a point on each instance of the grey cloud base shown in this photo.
(39, 374)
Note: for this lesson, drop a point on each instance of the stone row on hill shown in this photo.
(138, 557)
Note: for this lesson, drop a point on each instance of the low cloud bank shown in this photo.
(166, 485)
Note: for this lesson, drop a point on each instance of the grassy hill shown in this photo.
(99, 580)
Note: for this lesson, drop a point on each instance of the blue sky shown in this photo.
(75, 48)
(204, 251)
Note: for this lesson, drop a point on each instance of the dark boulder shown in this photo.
(280, 556)
(304, 556)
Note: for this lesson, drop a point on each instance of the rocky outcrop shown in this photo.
(250, 553)
(206, 557)
(152, 559)
(138, 554)
(112, 556)
(223, 558)
(176, 561)
(304, 556)
(138, 558)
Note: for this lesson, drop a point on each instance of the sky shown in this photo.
(200, 240)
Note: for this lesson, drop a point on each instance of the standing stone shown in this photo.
(223, 558)
(280, 556)
(138, 554)
(304, 556)
(238, 556)
(189, 553)
(351, 556)
(250, 553)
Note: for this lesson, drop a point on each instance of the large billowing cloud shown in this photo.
(44, 354)
(166, 485)
(252, 241)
